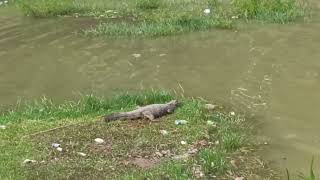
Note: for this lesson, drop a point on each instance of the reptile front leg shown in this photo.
(149, 115)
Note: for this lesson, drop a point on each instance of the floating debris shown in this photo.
(232, 113)
(235, 17)
(181, 122)
(163, 54)
(28, 161)
(183, 142)
(59, 149)
(136, 55)
(81, 154)
(164, 132)
(242, 89)
(290, 136)
(265, 143)
(3, 127)
(99, 140)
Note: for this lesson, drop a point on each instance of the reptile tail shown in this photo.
(115, 116)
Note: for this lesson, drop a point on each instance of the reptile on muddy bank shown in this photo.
(150, 112)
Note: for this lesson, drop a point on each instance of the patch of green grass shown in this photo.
(163, 22)
(43, 8)
(176, 25)
(231, 132)
(232, 141)
(46, 109)
(49, 8)
(31, 129)
(169, 170)
(148, 4)
(213, 162)
(153, 18)
(149, 18)
(274, 11)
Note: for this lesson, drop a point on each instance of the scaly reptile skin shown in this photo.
(150, 112)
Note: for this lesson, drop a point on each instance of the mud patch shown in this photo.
(104, 149)
(145, 163)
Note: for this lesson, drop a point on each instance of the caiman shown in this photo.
(151, 112)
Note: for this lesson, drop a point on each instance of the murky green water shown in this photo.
(271, 71)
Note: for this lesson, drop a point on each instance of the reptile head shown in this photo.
(174, 102)
(172, 105)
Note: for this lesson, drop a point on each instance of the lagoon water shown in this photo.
(271, 72)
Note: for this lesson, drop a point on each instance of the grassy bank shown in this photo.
(272, 11)
(132, 149)
(161, 18)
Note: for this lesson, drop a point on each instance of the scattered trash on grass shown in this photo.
(181, 122)
(99, 140)
(28, 161)
(164, 132)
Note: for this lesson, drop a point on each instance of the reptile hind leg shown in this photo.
(149, 115)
